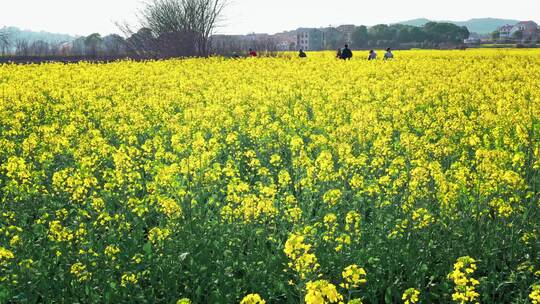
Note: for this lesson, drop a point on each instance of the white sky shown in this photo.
(82, 17)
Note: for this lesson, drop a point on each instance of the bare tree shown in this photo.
(56, 49)
(5, 42)
(39, 48)
(185, 26)
(203, 15)
(22, 47)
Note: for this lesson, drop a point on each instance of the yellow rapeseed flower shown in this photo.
(253, 299)
(353, 276)
(321, 292)
(410, 296)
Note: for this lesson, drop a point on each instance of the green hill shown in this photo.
(415, 22)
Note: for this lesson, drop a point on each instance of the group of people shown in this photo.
(344, 54)
(251, 53)
(388, 55)
(347, 54)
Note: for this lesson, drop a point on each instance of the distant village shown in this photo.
(329, 38)
(308, 39)
(523, 33)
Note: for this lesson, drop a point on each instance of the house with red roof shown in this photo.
(524, 30)
(529, 30)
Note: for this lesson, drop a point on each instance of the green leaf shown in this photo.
(183, 256)
(388, 296)
(147, 248)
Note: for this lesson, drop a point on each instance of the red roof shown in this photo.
(528, 24)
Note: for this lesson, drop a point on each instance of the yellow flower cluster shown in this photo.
(169, 207)
(128, 279)
(332, 197)
(422, 218)
(535, 294)
(352, 223)
(111, 251)
(464, 290)
(158, 235)
(341, 235)
(253, 299)
(410, 296)
(5, 255)
(79, 271)
(322, 292)
(353, 276)
(59, 233)
(302, 261)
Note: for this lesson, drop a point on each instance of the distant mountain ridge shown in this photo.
(16, 33)
(476, 25)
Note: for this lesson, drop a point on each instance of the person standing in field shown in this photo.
(388, 55)
(338, 54)
(252, 53)
(302, 54)
(372, 55)
(346, 53)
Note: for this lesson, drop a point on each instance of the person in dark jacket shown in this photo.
(346, 53)
(302, 54)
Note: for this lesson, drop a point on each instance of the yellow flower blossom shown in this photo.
(5, 255)
(321, 292)
(253, 299)
(128, 279)
(302, 260)
(157, 235)
(464, 290)
(78, 270)
(410, 296)
(535, 294)
(111, 251)
(332, 197)
(353, 276)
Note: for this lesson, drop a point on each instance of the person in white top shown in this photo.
(388, 54)
(372, 55)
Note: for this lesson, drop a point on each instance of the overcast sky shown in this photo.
(82, 17)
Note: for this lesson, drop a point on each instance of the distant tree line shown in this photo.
(432, 34)
(92, 46)
(168, 28)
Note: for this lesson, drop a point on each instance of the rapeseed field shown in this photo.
(272, 180)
